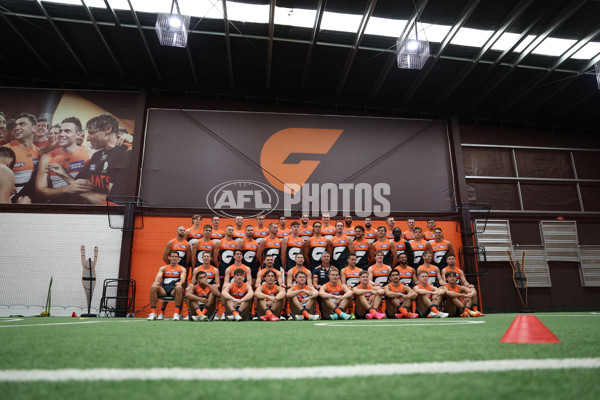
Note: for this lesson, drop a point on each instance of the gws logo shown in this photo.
(286, 142)
(225, 198)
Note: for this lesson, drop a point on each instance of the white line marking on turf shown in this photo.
(334, 371)
(11, 319)
(398, 324)
(63, 323)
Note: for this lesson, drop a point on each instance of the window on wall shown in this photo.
(523, 175)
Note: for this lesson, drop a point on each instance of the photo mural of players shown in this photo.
(66, 147)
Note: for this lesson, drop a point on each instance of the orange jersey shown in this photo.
(429, 235)
(350, 232)
(233, 267)
(305, 232)
(301, 296)
(273, 248)
(397, 289)
(400, 246)
(293, 248)
(361, 249)
(263, 271)
(432, 271)
(294, 271)
(181, 247)
(426, 287)
(238, 292)
(73, 163)
(386, 247)
(317, 245)
(25, 162)
(328, 231)
(455, 289)
(250, 249)
(194, 235)
(339, 248)
(172, 274)
(202, 292)
(260, 233)
(238, 234)
(368, 294)
(440, 249)
(217, 234)
(335, 290)
(283, 233)
(226, 251)
(272, 292)
(380, 273)
(409, 235)
(202, 246)
(459, 272)
(370, 235)
(211, 273)
(352, 276)
(406, 274)
(418, 247)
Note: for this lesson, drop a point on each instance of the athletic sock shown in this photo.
(178, 310)
(414, 307)
(269, 312)
(305, 313)
(198, 312)
(204, 311)
(338, 311)
(235, 313)
(372, 311)
(434, 309)
(404, 311)
(153, 310)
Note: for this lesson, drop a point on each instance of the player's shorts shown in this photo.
(169, 288)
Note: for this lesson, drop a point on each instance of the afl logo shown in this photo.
(227, 198)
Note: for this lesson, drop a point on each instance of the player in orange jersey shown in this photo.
(168, 282)
(282, 230)
(335, 297)
(299, 267)
(351, 273)
(441, 248)
(341, 246)
(271, 245)
(409, 233)
(260, 230)
(379, 272)
(435, 277)
(402, 246)
(302, 297)
(429, 233)
(249, 247)
(367, 298)
(291, 246)
(270, 298)
(216, 234)
(349, 230)
(223, 252)
(390, 225)
(179, 244)
(370, 233)
(238, 296)
(305, 231)
(316, 246)
(459, 299)
(384, 245)
(429, 298)
(398, 297)
(202, 245)
(202, 297)
(212, 274)
(327, 229)
(362, 248)
(419, 245)
(269, 266)
(408, 275)
(238, 256)
(26, 153)
(193, 233)
(238, 229)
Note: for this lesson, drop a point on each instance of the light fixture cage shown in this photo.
(169, 34)
(598, 73)
(412, 53)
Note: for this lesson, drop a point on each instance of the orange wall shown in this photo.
(149, 244)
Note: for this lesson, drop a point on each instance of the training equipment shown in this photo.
(88, 278)
(519, 278)
(46, 312)
(528, 329)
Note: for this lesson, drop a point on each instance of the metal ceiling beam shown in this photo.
(139, 27)
(467, 69)
(41, 7)
(270, 44)
(541, 76)
(313, 42)
(228, 45)
(93, 20)
(463, 16)
(568, 106)
(391, 61)
(359, 36)
(555, 90)
(562, 16)
(29, 46)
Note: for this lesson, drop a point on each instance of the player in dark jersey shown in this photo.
(362, 248)
(340, 247)
(250, 249)
(291, 246)
(316, 246)
(168, 282)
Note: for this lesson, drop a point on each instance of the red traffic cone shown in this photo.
(74, 315)
(528, 329)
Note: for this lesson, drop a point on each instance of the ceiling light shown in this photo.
(172, 28)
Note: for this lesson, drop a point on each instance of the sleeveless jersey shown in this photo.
(25, 162)
(408, 235)
(283, 233)
(238, 292)
(406, 275)
(316, 248)
(370, 235)
(172, 274)
(238, 235)
(211, 272)
(217, 235)
(440, 250)
(226, 251)
(302, 297)
(352, 276)
(294, 247)
(459, 273)
(429, 236)
(328, 231)
(455, 289)
(367, 294)
(249, 248)
(260, 234)
(232, 268)
(194, 235)
(181, 247)
(335, 290)
(270, 292)
(400, 246)
(305, 233)
(350, 233)
(264, 271)
(361, 248)
(418, 247)
(380, 274)
(73, 163)
(273, 248)
(202, 292)
(203, 246)
(339, 248)
(386, 248)
(426, 287)
(295, 271)
(396, 289)
(432, 271)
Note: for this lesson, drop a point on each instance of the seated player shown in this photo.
(238, 296)
(408, 275)
(302, 298)
(335, 297)
(299, 267)
(212, 274)
(460, 277)
(379, 271)
(367, 298)
(202, 297)
(168, 282)
(269, 266)
(270, 298)
(399, 297)
(238, 256)
(435, 278)
(429, 298)
(459, 299)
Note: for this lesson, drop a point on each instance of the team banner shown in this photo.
(228, 161)
(67, 147)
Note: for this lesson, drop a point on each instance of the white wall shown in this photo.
(35, 247)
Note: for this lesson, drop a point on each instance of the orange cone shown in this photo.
(528, 329)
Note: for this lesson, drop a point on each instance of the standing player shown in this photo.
(316, 246)
(341, 246)
(302, 297)
(224, 252)
(429, 233)
(379, 271)
(367, 298)
(202, 245)
(26, 153)
(349, 230)
(409, 233)
(271, 245)
(435, 278)
(402, 246)
(419, 246)
(327, 229)
(202, 297)
(193, 233)
(335, 297)
(386, 246)
(441, 248)
(362, 248)
(216, 234)
(168, 282)
(351, 273)
(292, 246)
(282, 231)
(180, 245)
(305, 231)
(260, 231)
(391, 223)
(459, 299)
(238, 296)
(270, 298)
(249, 247)
(238, 229)
(399, 297)
(370, 233)
(429, 298)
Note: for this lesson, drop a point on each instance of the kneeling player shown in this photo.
(238, 296)
(201, 297)
(429, 298)
(269, 298)
(336, 297)
(368, 298)
(459, 299)
(302, 298)
(399, 298)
